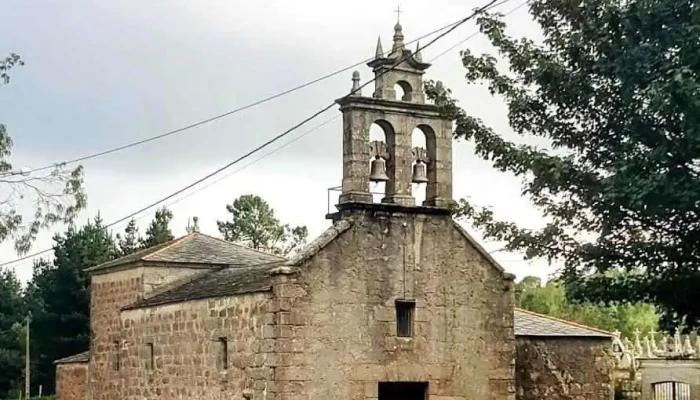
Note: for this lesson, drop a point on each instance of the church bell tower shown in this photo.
(394, 160)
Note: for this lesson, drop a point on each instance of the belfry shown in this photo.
(365, 161)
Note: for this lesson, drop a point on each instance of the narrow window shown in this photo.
(117, 356)
(404, 317)
(222, 360)
(149, 350)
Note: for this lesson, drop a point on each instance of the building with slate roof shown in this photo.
(395, 300)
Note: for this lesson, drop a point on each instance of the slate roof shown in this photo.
(221, 283)
(195, 248)
(239, 279)
(528, 323)
(76, 358)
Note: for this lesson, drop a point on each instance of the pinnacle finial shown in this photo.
(418, 56)
(380, 52)
(356, 91)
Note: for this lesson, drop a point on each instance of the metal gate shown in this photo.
(671, 391)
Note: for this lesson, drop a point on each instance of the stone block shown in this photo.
(284, 331)
(290, 387)
(369, 372)
(290, 373)
(291, 318)
(289, 290)
(371, 389)
(289, 346)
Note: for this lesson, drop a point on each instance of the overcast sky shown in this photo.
(100, 74)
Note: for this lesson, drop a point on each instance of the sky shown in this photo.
(103, 74)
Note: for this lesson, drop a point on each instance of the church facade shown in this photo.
(393, 301)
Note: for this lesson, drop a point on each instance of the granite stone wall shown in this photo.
(71, 381)
(110, 292)
(200, 349)
(336, 333)
(570, 368)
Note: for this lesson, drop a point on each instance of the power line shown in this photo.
(461, 42)
(283, 134)
(226, 114)
(327, 121)
(312, 130)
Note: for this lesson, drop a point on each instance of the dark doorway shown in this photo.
(403, 390)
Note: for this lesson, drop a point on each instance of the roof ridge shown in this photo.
(242, 246)
(563, 321)
(75, 358)
(168, 245)
(137, 304)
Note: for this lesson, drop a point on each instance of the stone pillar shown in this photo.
(398, 188)
(356, 157)
(439, 190)
(383, 89)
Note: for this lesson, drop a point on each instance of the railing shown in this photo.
(671, 391)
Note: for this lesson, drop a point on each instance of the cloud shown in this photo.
(102, 74)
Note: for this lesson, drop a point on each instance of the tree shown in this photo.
(253, 224)
(551, 299)
(613, 90)
(59, 297)
(12, 314)
(159, 230)
(56, 194)
(131, 240)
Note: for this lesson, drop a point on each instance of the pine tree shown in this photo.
(59, 297)
(159, 230)
(12, 313)
(254, 224)
(131, 241)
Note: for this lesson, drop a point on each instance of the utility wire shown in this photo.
(329, 120)
(226, 114)
(310, 131)
(477, 32)
(283, 134)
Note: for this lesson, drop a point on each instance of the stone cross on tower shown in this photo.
(397, 118)
(398, 14)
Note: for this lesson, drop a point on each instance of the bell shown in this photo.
(419, 175)
(377, 172)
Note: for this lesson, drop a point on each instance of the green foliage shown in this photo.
(614, 90)
(159, 230)
(550, 299)
(12, 314)
(254, 224)
(131, 240)
(59, 297)
(57, 194)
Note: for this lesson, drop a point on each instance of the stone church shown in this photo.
(394, 301)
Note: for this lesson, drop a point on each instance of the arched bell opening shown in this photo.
(419, 165)
(403, 91)
(380, 135)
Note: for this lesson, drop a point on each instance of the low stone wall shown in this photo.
(72, 381)
(568, 368)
